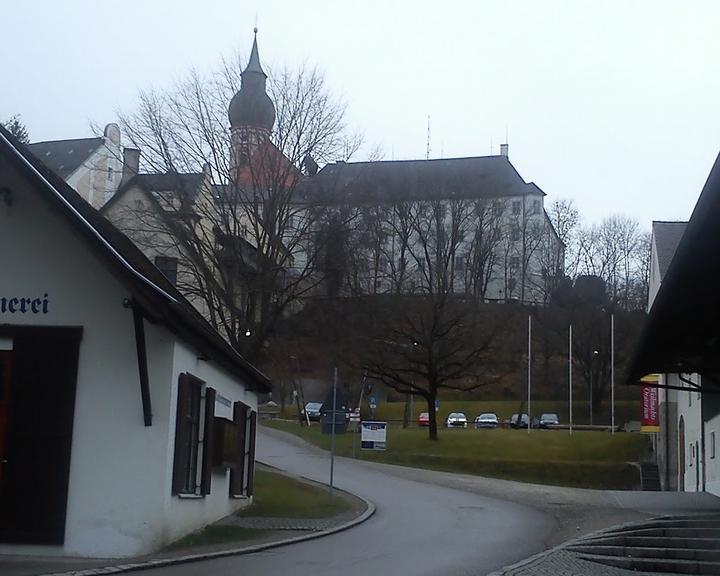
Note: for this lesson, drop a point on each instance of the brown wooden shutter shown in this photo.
(208, 435)
(238, 469)
(182, 434)
(251, 456)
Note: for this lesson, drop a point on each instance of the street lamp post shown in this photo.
(592, 367)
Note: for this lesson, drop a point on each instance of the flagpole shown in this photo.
(570, 377)
(529, 375)
(612, 373)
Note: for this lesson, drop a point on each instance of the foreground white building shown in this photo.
(126, 421)
(681, 343)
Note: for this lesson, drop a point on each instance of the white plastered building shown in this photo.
(126, 421)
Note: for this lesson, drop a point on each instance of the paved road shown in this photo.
(418, 528)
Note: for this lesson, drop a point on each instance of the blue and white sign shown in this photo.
(373, 402)
(437, 404)
(373, 435)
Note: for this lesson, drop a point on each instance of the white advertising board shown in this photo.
(373, 435)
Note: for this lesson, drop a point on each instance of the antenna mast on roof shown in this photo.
(427, 147)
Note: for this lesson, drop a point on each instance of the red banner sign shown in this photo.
(650, 418)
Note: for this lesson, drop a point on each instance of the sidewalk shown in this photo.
(272, 532)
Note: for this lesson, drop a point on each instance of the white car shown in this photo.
(456, 420)
(487, 420)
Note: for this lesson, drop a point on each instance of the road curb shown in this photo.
(506, 570)
(162, 562)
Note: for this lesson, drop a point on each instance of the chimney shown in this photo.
(504, 150)
(131, 164)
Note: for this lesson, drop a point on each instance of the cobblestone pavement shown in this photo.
(264, 523)
(565, 563)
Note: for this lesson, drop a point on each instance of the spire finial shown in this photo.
(255, 30)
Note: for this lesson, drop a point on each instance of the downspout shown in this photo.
(667, 438)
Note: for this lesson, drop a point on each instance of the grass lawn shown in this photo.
(277, 496)
(585, 459)
(212, 535)
(280, 496)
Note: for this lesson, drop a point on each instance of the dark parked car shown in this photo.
(487, 420)
(548, 419)
(313, 411)
(521, 422)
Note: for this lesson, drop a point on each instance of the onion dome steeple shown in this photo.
(251, 107)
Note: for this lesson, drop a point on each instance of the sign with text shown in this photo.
(373, 435)
(650, 417)
(19, 305)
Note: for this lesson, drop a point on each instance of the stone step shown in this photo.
(672, 532)
(655, 564)
(658, 552)
(655, 542)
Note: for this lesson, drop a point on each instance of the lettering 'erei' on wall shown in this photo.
(24, 305)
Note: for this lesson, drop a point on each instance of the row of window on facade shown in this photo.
(205, 442)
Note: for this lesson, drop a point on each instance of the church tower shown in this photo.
(251, 112)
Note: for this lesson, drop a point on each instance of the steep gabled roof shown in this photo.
(159, 299)
(187, 184)
(682, 333)
(402, 180)
(65, 156)
(667, 236)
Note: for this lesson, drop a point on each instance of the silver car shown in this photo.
(456, 420)
(487, 420)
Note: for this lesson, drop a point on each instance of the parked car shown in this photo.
(548, 419)
(521, 422)
(487, 420)
(313, 411)
(424, 419)
(456, 420)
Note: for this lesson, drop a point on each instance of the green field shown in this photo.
(585, 459)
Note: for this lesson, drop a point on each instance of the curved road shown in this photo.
(418, 528)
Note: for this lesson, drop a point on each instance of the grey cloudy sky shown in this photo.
(613, 104)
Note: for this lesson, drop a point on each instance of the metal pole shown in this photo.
(529, 375)
(570, 376)
(591, 389)
(612, 373)
(332, 434)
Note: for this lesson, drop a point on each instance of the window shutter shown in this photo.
(238, 469)
(208, 434)
(181, 434)
(251, 458)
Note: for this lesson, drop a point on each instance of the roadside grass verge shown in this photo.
(277, 496)
(214, 534)
(280, 496)
(585, 459)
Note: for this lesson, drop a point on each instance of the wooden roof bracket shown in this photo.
(139, 322)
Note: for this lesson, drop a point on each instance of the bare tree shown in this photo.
(616, 251)
(434, 339)
(246, 238)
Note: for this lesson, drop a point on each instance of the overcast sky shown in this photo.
(613, 104)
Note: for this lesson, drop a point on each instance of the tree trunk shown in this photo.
(432, 430)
